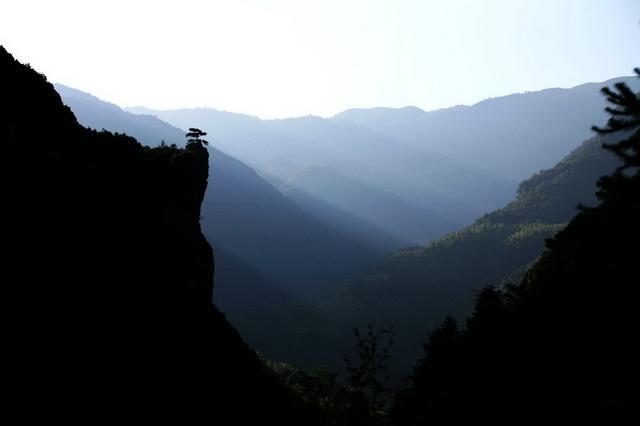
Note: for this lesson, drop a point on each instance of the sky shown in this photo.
(281, 58)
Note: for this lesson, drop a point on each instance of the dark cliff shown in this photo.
(109, 279)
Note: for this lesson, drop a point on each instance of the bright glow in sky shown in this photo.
(276, 58)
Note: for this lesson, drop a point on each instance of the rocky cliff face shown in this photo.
(109, 277)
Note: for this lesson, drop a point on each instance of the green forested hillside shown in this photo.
(563, 345)
(416, 287)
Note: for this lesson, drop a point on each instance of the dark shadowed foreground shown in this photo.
(109, 277)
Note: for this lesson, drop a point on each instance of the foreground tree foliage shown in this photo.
(369, 373)
(563, 345)
(335, 402)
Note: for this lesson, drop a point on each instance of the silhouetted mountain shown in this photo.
(247, 218)
(268, 250)
(458, 191)
(421, 285)
(514, 136)
(110, 279)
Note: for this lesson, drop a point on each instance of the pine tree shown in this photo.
(373, 353)
(194, 137)
(624, 118)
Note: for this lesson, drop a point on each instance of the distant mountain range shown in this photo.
(249, 222)
(448, 166)
(514, 136)
(451, 191)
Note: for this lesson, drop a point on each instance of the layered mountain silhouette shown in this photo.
(270, 249)
(393, 216)
(313, 159)
(379, 161)
(456, 163)
(251, 222)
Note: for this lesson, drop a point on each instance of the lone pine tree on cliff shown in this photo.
(195, 137)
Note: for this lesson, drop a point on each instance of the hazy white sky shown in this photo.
(276, 58)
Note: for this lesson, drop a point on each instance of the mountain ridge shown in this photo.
(531, 130)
